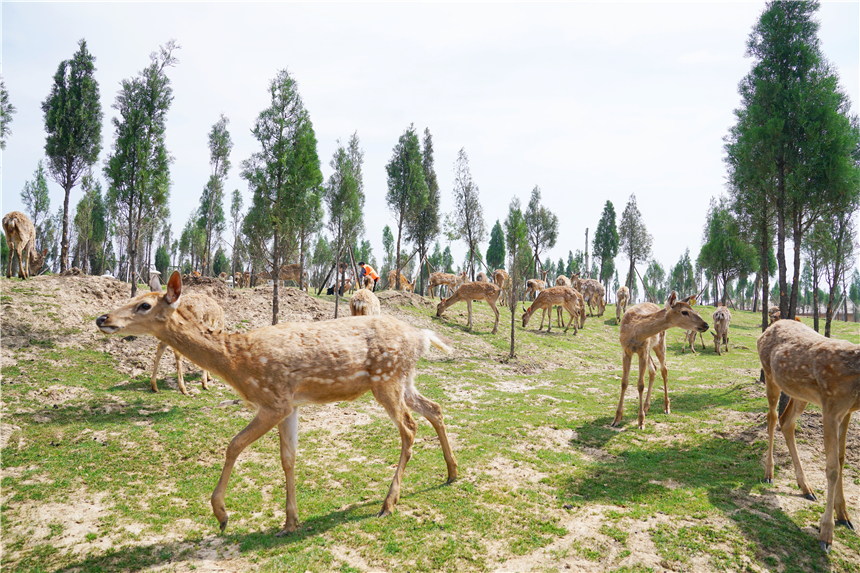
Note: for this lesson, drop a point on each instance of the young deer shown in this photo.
(690, 338)
(291, 272)
(826, 372)
(722, 318)
(473, 291)
(204, 309)
(561, 296)
(279, 368)
(622, 297)
(482, 277)
(562, 280)
(580, 307)
(21, 238)
(502, 280)
(364, 302)
(534, 286)
(404, 282)
(595, 295)
(447, 279)
(643, 328)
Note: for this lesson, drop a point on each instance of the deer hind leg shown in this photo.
(496, 311)
(660, 351)
(469, 306)
(180, 377)
(159, 351)
(626, 360)
(787, 423)
(772, 402)
(832, 424)
(644, 364)
(395, 405)
(288, 431)
(205, 377)
(264, 421)
(433, 413)
(840, 510)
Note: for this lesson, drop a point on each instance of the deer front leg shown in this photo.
(469, 306)
(158, 352)
(787, 423)
(644, 364)
(831, 452)
(496, 311)
(840, 510)
(405, 423)
(288, 431)
(625, 379)
(180, 377)
(772, 402)
(660, 351)
(264, 421)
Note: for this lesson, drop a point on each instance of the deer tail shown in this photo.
(440, 342)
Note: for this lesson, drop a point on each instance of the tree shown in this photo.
(138, 169)
(73, 120)
(221, 263)
(496, 250)
(211, 211)
(519, 259)
(425, 228)
(236, 218)
(162, 261)
(284, 176)
(724, 252)
(388, 246)
(37, 203)
(605, 245)
(467, 220)
(6, 112)
(655, 277)
(4, 252)
(634, 239)
(838, 255)
(542, 226)
(90, 225)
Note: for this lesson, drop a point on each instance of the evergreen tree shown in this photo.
(162, 261)
(6, 112)
(606, 242)
(496, 250)
(236, 217)
(37, 204)
(542, 226)
(724, 252)
(344, 197)
(211, 211)
(426, 227)
(468, 218)
(519, 259)
(634, 239)
(90, 225)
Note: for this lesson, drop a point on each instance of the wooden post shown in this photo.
(647, 291)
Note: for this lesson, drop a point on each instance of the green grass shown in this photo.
(532, 437)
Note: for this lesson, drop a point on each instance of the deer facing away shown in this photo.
(811, 368)
(279, 368)
(643, 328)
(622, 298)
(364, 302)
(722, 318)
(21, 237)
(503, 281)
(473, 291)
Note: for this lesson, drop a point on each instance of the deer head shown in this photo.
(145, 313)
(682, 315)
(37, 260)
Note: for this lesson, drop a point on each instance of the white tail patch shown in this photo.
(438, 341)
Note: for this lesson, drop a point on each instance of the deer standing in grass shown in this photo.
(404, 283)
(503, 281)
(473, 291)
(534, 286)
(722, 318)
(364, 302)
(21, 238)
(690, 338)
(291, 272)
(452, 282)
(203, 309)
(643, 328)
(622, 298)
(811, 368)
(279, 368)
(561, 296)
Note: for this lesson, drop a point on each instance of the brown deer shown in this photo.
(561, 296)
(364, 302)
(643, 328)
(534, 286)
(722, 318)
(580, 306)
(279, 368)
(452, 282)
(482, 277)
(21, 237)
(690, 338)
(811, 368)
(622, 298)
(473, 291)
(503, 280)
(238, 280)
(204, 309)
(404, 282)
(562, 280)
(291, 272)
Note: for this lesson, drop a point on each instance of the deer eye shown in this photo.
(684, 312)
(145, 306)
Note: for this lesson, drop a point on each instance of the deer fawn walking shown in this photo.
(279, 368)
(473, 291)
(561, 296)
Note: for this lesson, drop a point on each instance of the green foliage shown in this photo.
(221, 264)
(6, 112)
(724, 253)
(426, 227)
(37, 203)
(519, 259)
(344, 195)
(634, 239)
(655, 281)
(236, 219)
(606, 243)
(542, 226)
(467, 222)
(211, 211)
(162, 261)
(90, 225)
(496, 250)
(682, 278)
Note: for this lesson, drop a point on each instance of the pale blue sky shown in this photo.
(590, 101)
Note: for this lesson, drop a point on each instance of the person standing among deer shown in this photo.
(366, 270)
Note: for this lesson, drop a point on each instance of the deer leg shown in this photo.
(570, 320)
(264, 421)
(644, 364)
(787, 423)
(625, 379)
(288, 431)
(158, 352)
(496, 311)
(702, 338)
(831, 451)
(205, 377)
(840, 510)
(660, 351)
(772, 401)
(433, 413)
(22, 273)
(547, 312)
(469, 306)
(180, 378)
(399, 414)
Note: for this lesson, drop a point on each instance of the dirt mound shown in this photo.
(210, 286)
(403, 298)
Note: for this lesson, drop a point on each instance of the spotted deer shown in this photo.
(722, 319)
(622, 298)
(292, 272)
(364, 302)
(534, 286)
(810, 368)
(451, 282)
(561, 296)
(690, 338)
(277, 369)
(473, 291)
(404, 282)
(643, 329)
(502, 280)
(21, 238)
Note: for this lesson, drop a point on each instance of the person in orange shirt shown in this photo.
(366, 270)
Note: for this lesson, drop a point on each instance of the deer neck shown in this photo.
(653, 324)
(211, 350)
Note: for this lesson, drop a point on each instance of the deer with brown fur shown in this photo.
(643, 329)
(503, 281)
(452, 282)
(364, 302)
(534, 286)
(21, 237)
(405, 285)
(561, 296)
(722, 319)
(277, 369)
(810, 368)
(622, 298)
(473, 291)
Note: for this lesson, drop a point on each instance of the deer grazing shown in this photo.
(473, 291)
(580, 306)
(291, 272)
(452, 282)
(643, 328)
(404, 282)
(502, 280)
(722, 318)
(364, 302)
(561, 296)
(279, 368)
(811, 368)
(690, 338)
(204, 309)
(534, 286)
(622, 298)
(593, 293)
(21, 238)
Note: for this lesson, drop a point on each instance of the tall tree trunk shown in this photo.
(780, 240)
(755, 292)
(587, 268)
(397, 259)
(815, 301)
(629, 281)
(797, 237)
(765, 275)
(276, 265)
(64, 241)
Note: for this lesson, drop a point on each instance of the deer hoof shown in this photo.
(846, 522)
(224, 524)
(452, 479)
(824, 546)
(383, 513)
(810, 496)
(768, 481)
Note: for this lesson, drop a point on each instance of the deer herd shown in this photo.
(278, 369)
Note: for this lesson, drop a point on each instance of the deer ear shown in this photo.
(174, 289)
(670, 302)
